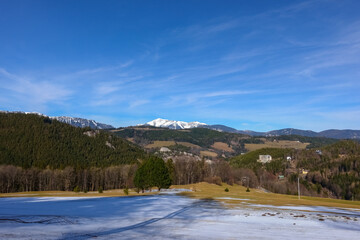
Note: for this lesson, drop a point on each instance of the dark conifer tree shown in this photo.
(152, 173)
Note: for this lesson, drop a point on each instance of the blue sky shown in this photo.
(257, 65)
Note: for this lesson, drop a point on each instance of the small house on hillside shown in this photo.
(264, 158)
(164, 149)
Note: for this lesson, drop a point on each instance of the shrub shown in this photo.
(226, 190)
(126, 191)
(77, 189)
(213, 180)
(247, 190)
(100, 190)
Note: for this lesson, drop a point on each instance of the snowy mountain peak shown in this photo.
(81, 122)
(159, 122)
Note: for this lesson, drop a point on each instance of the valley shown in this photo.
(41, 154)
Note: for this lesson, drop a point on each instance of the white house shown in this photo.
(264, 158)
(164, 149)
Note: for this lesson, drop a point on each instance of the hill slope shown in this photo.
(330, 171)
(37, 141)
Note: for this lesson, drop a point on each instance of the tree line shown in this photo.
(17, 179)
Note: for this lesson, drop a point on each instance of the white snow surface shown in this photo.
(168, 216)
(159, 122)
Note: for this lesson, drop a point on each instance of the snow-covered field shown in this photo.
(169, 216)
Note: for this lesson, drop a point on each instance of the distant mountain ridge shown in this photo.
(172, 124)
(81, 122)
(74, 121)
(331, 133)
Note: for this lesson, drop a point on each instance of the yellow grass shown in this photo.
(211, 191)
(117, 130)
(222, 146)
(278, 144)
(208, 154)
(157, 144)
(130, 140)
(187, 144)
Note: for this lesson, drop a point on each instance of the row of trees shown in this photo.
(153, 172)
(17, 179)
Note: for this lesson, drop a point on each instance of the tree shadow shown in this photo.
(201, 205)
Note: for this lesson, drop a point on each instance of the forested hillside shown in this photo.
(206, 137)
(199, 136)
(37, 153)
(315, 142)
(331, 171)
(35, 141)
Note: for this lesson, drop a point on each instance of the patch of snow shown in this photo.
(50, 199)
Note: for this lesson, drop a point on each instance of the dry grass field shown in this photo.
(276, 144)
(208, 154)
(237, 194)
(222, 146)
(187, 144)
(157, 144)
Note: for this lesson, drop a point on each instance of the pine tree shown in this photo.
(152, 173)
(170, 166)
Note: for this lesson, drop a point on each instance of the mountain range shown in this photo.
(172, 124)
(331, 133)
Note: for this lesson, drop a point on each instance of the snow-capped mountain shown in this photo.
(81, 122)
(173, 124)
(77, 122)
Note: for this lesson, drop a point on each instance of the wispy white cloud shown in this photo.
(205, 99)
(207, 29)
(228, 93)
(345, 115)
(31, 92)
(136, 103)
(104, 69)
